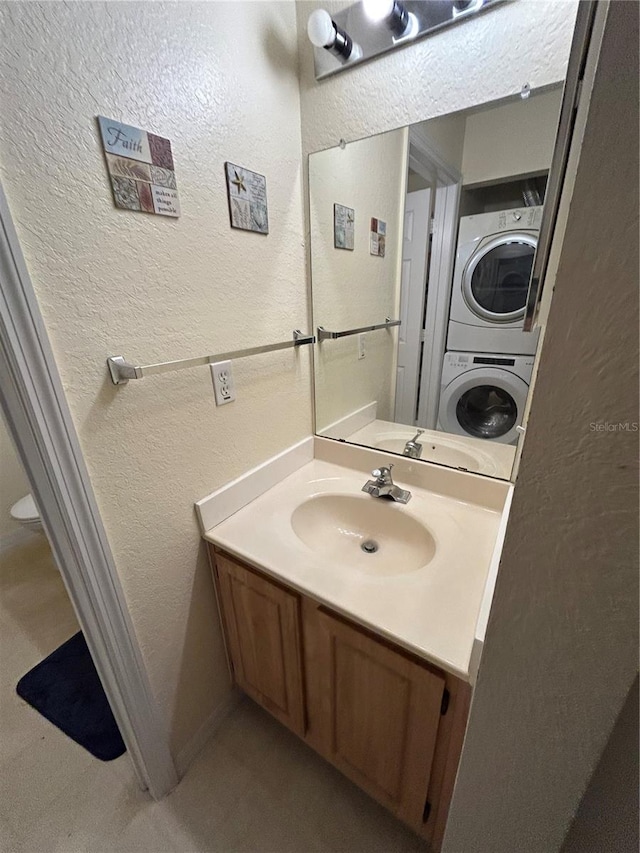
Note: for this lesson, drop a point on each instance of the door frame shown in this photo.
(448, 186)
(443, 250)
(39, 420)
(412, 320)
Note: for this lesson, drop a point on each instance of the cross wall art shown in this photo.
(141, 169)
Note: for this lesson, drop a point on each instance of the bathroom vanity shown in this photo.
(358, 622)
(366, 653)
(388, 720)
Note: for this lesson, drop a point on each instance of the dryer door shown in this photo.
(495, 282)
(484, 403)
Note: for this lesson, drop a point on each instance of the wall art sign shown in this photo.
(378, 237)
(140, 167)
(247, 194)
(344, 219)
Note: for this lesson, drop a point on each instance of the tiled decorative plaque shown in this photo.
(247, 194)
(378, 237)
(343, 227)
(141, 168)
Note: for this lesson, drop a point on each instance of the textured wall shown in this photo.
(561, 648)
(352, 289)
(607, 820)
(152, 289)
(482, 60)
(13, 482)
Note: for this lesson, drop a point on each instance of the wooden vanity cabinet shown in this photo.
(372, 711)
(390, 722)
(262, 626)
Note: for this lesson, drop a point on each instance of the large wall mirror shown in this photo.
(422, 245)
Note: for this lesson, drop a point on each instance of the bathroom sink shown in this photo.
(432, 451)
(375, 536)
(454, 451)
(424, 581)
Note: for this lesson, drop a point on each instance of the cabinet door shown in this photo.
(262, 625)
(373, 712)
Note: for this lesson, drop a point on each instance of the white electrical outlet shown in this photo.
(361, 347)
(223, 386)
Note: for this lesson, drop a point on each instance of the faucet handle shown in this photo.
(383, 475)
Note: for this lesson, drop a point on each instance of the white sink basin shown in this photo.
(432, 451)
(372, 535)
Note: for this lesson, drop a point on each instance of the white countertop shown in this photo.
(432, 611)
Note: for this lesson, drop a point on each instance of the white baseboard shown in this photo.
(346, 426)
(238, 493)
(206, 731)
(18, 537)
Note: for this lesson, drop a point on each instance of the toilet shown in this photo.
(25, 512)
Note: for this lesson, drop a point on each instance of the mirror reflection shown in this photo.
(422, 245)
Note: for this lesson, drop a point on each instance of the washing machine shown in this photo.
(483, 396)
(491, 277)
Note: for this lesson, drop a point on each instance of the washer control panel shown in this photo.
(465, 361)
(527, 217)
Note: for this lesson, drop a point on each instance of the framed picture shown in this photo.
(343, 227)
(247, 195)
(141, 168)
(378, 237)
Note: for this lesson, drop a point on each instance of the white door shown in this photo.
(413, 287)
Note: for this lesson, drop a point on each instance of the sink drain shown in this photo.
(370, 546)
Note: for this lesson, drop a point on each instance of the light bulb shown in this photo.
(324, 32)
(378, 10)
(412, 28)
(394, 15)
(320, 29)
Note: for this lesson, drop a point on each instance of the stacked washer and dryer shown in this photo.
(489, 359)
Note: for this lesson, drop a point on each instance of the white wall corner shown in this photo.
(354, 421)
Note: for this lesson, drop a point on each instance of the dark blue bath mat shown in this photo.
(65, 689)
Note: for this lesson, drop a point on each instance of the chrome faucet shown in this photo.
(413, 448)
(384, 487)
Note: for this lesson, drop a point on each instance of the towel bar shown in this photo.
(121, 371)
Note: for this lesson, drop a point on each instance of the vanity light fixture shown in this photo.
(324, 32)
(393, 13)
(366, 29)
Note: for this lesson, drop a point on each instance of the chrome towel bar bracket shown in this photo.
(121, 371)
(325, 335)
